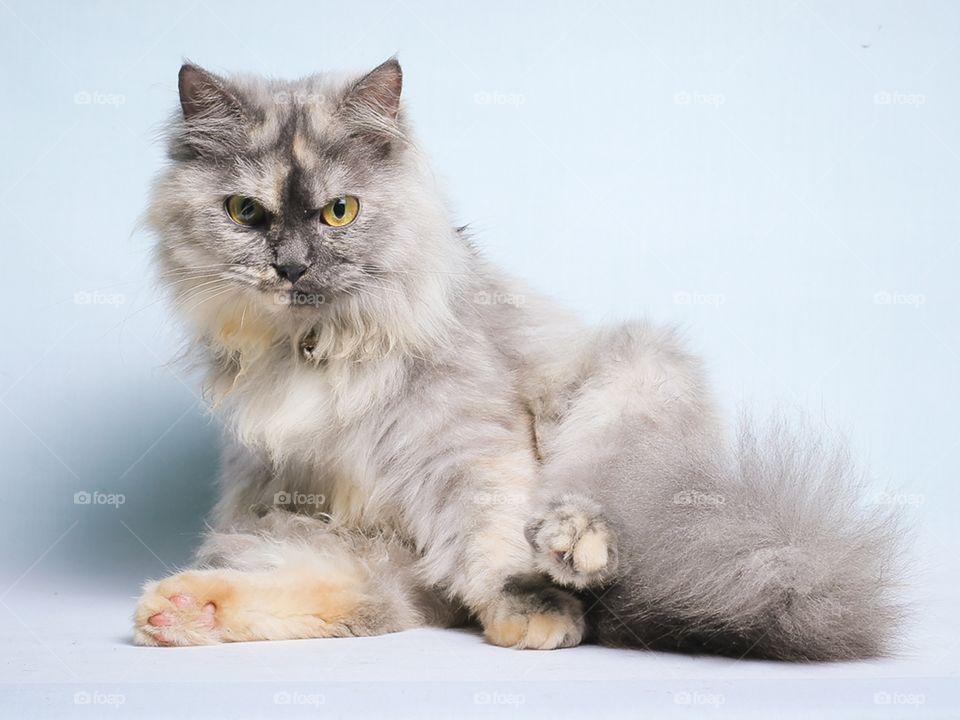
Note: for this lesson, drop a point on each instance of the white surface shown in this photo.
(67, 653)
(780, 178)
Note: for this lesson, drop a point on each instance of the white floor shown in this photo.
(66, 652)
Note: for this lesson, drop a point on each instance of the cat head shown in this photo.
(295, 207)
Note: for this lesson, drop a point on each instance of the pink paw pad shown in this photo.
(208, 615)
(160, 619)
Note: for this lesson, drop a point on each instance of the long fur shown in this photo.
(768, 553)
(527, 468)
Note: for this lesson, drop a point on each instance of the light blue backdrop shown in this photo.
(779, 178)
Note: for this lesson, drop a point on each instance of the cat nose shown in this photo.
(291, 271)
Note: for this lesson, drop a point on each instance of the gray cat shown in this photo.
(415, 438)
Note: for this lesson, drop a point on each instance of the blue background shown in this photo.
(779, 178)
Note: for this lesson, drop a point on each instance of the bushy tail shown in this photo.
(768, 552)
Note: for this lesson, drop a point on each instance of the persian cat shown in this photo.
(414, 438)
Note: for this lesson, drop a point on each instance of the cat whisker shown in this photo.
(191, 293)
(189, 271)
(207, 295)
(200, 285)
(370, 270)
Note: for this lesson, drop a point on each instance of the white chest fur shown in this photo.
(322, 416)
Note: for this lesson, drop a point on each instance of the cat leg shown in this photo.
(280, 589)
(491, 569)
(533, 614)
(204, 607)
(629, 401)
(572, 542)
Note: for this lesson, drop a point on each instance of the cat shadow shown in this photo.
(148, 520)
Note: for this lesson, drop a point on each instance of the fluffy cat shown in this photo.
(417, 439)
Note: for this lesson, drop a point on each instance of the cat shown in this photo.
(415, 438)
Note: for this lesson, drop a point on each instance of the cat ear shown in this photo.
(373, 102)
(213, 117)
(204, 95)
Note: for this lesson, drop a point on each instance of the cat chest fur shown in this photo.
(325, 417)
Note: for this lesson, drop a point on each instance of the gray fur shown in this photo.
(433, 402)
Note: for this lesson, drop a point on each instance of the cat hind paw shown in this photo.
(573, 544)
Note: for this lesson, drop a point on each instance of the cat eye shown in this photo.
(245, 211)
(340, 212)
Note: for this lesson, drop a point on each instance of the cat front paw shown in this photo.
(573, 544)
(183, 609)
(534, 615)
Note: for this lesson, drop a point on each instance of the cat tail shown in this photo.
(768, 551)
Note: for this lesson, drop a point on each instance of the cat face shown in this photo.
(293, 200)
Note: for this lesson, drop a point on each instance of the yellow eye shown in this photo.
(340, 212)
(245, 211)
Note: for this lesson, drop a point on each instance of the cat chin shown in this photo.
(247, 320)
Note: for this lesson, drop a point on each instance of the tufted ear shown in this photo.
(373, 101)
(204, 95)
(212, 114)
